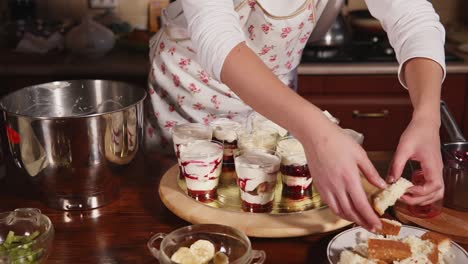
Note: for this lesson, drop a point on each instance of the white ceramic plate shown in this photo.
(348, 239)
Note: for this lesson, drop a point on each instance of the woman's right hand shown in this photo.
(335, 162)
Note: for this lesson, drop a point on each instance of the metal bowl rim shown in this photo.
(10, 113)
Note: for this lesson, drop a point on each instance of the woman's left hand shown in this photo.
(420, 141)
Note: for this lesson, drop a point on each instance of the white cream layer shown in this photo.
(225, 129)
(296, 181)
(257, 167)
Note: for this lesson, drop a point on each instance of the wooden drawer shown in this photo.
(380, 119)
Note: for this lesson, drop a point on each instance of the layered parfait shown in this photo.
(257, 172)
(189, 132)
(200, 163)
(225, 130)
(294, 170)
(265, 139)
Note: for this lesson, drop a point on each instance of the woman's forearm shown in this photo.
(424, 78)
(254, 83)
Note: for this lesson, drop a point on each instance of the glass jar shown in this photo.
(424, 211)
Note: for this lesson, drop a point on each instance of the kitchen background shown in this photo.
(136, 11)
(343, 80)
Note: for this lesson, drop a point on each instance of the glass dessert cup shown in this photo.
(189, 132)
(295, 175)
(200, 164)
(228, 240)
(225, 129)
(257, 175)
(424, 211)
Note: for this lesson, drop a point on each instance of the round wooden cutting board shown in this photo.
(450, 222)
(254, 225)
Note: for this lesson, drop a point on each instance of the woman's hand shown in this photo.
(335, 162)
(420, 142)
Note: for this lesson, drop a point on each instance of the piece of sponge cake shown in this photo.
(388, 250)
(389, 227)
(390, 195)
(442, 242)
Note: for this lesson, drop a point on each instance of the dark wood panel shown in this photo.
(350, 84)
(381, 132)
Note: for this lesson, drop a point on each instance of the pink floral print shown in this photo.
(184, 63)
(266, 49)
(193, 88)
(204, 77)
(198, 106)
(285, 32)
(215, 101)
(251, 32)
(176, 80)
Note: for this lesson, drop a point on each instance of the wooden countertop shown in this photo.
(118, 232)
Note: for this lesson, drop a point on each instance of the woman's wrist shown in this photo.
(314, 127)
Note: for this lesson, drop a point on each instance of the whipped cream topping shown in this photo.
(260, 122)
(225, 129)
(292, 152)
(191, 131)
(257, 139)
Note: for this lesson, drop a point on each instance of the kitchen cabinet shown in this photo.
(377, 105)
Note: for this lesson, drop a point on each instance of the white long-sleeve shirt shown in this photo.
(412, 26)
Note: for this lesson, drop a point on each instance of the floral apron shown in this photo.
(181, 91)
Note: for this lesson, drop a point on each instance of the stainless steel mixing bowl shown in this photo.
(73, 137)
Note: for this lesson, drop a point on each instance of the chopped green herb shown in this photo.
(20, 249)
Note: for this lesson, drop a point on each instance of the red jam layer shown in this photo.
(203, 196)
(297, 171)
(296, 192)
(257, 208)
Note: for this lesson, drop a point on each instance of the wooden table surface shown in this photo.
(118, 232)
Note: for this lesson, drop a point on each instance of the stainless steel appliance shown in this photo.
(455, 155)
(72, 138)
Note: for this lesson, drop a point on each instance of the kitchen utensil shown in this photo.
(32, 233)
(327, 18)
(363, 22)
(455, 156)
(74, 138)
(232, 242)
(331, 29)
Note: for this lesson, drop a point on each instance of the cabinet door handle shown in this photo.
(382, 114)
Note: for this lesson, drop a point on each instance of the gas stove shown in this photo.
(359, 50)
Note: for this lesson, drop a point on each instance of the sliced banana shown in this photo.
(203, 249)
(220, 258)
(185, 256)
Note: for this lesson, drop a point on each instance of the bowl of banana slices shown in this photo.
(204, 244)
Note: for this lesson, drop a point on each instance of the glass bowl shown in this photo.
(228, 240)
(25, 236)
